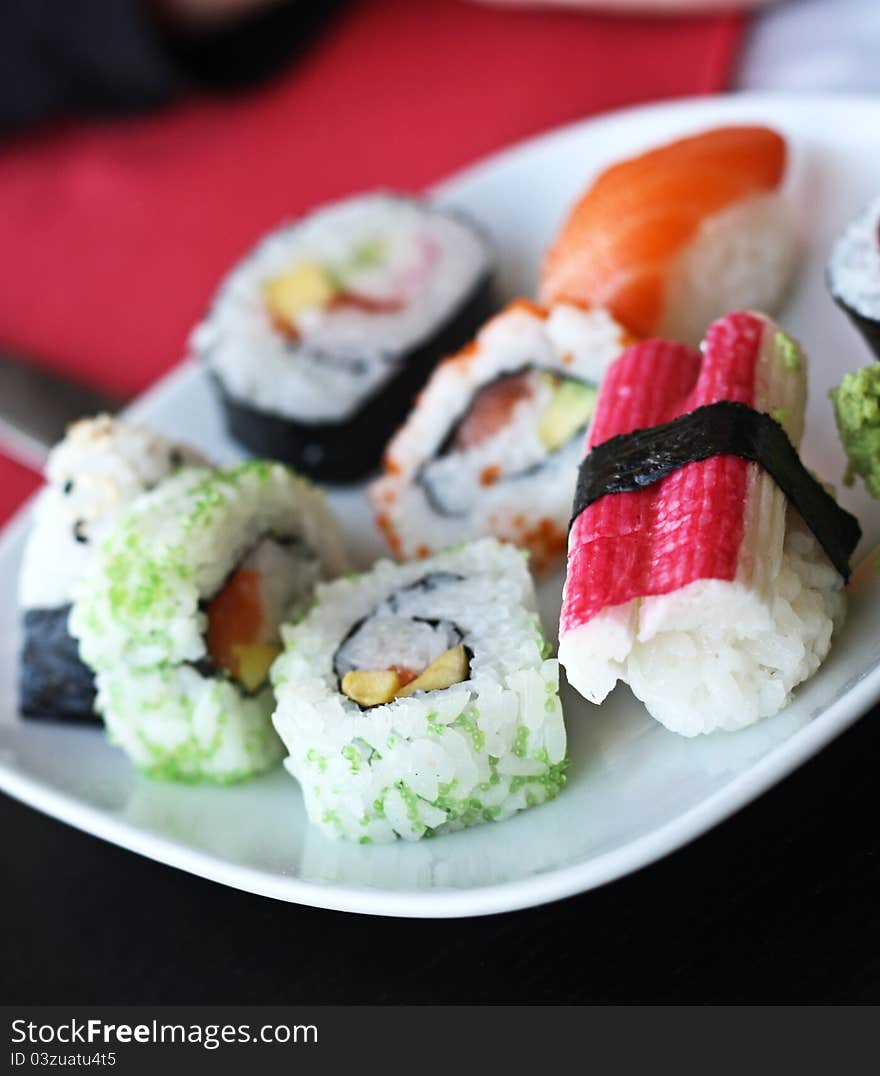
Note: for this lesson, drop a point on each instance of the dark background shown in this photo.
(779, 904)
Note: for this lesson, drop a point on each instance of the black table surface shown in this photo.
(779, 904)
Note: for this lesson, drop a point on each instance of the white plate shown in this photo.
(635, 791)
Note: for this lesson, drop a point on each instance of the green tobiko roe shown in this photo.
(857, 410)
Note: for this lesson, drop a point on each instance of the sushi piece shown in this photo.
(419, 698)
(854, 274)
(493, 443)
(709, 582)
(674, 238)
(320, 338)
(857, 411)
(179, 612)
(92, 475)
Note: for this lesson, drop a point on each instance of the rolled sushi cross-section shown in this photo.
(854, 274)
(418, 698)
(99, 468)
(322, 335)
(180, 611)
(677, 236)
(704, 591)
(493, 443)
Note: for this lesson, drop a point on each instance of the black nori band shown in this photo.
(54, 684)
(632, 461)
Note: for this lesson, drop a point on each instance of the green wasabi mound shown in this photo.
(857, 410)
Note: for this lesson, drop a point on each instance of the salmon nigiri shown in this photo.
(672, 239)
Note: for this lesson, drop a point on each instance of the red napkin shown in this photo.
(115, 233)
(16, 483)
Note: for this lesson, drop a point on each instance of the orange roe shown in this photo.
(385, 525)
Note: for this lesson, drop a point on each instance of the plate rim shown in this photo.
(547, 885)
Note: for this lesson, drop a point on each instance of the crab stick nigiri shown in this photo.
(705, 564)
(672, 239)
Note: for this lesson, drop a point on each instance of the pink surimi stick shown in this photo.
(690, 525)
(630, 609)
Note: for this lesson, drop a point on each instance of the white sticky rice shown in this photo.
(714, 654)
(440, 760)
(92, 475)
(854, 267)
(740, 259)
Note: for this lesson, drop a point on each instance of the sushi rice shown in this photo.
(854, 274)
(438, 760)
(92, 475)
(741, 258)
(141, 618)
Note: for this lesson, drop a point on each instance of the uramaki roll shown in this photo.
(419, 698)
(179, 615)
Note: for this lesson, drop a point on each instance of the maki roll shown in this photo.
(320, 338)
(418, 698)
(493, 443)
(679, 235)
(179, 613)
(854, 274)
(705, 564)
(92, 475)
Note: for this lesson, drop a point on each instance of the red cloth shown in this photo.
(16, 483)
(115, 233)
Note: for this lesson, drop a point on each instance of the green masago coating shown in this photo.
(857, 410)
(140, 620)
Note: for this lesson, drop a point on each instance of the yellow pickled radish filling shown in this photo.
(253, 664)
(371, 687)
(374, 687)
(307, 286)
